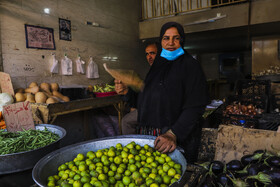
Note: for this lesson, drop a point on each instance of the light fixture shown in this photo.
(47, 10)
(108, 58)
(210, 20)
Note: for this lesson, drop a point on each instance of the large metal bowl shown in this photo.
(48, 165)
(15, 162)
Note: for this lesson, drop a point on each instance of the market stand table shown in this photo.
(47, 113)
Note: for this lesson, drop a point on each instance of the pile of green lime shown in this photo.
(119, 166)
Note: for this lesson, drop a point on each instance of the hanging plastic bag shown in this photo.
(54, 62)
(80, 65)
(92, 70)
(66, 66)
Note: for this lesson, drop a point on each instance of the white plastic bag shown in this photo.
(66, 66)
(80, 65)
(54, 62)
(92, 70)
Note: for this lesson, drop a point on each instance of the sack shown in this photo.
(66, 66)
(92, 70)
(80, 66)
(54, 62)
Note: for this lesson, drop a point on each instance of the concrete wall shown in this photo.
(265, 53)
(262, 11)
(118, 37)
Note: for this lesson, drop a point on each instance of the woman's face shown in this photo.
(171, 39)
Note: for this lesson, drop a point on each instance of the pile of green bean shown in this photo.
(26, 140)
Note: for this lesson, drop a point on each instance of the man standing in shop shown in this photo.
(129, 121)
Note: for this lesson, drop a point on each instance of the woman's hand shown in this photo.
(166, 142)
(120, 88)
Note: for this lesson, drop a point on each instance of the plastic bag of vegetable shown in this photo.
(80, 65)
(54, 62)
(66, 66)
(5, 99)
(92, 70)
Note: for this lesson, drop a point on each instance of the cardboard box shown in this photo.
(233, 142)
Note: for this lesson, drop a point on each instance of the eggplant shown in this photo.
(275, 176)
(223, 179)
(238, 182)
(217, 167)
(273, 161)
(262, 177)
(234, 165)
(263, 167)
(248, 159)
(205, 184)
(205, 165)
(259, 151)
(242, 173)
(209, 180)
(254, 182)
(253, 169)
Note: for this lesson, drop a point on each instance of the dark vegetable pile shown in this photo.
(258, 169)
(25, 140)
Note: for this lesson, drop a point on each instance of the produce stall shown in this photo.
(47, 113)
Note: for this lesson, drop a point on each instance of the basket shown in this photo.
(258, 101)
(253, 87)
(269, 122)
(104, 94)
(241, 120)
(247, 121)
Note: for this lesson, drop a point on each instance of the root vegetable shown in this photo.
(19, 90)
(19, 97)
(40, 97)
(33, 90)
(54, 87)
(51, 100)
(45, 87)
(30, 97)
(59, 95)
(33, 84)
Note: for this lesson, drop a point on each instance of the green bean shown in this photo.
(25, 140)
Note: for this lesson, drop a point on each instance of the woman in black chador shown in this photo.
(174, 96)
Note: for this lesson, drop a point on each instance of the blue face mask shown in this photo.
(172, 55)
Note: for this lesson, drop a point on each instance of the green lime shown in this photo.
(85, 179)
(91, 155)
(166, 179)
(126, 180)
(94, 173)
(111, 153)
(161, 160)
(127, 173)
(117, 160)
(51, 183)
(51, 178)
(171, 172)
(112, 180)
(132, 167)
(80, 156)
(154, 185)
(77, 177)
(87, 185)
(98, 184)
(91, 167)
(82, 167)
(102, 177)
